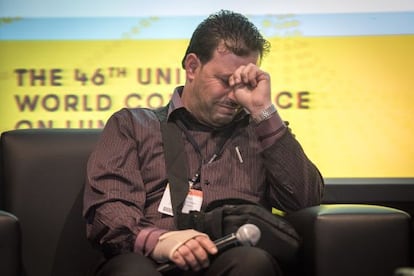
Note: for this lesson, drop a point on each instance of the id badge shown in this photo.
(192, 202)
(165, 206)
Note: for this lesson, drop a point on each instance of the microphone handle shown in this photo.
(227, 241)
(166, 267)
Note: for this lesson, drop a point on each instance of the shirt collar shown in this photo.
(176, 104)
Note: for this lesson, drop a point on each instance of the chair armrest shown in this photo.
(9, 244)
(352, 239)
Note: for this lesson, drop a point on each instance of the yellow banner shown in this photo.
(348, 99)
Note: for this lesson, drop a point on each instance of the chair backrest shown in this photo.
(42, 178)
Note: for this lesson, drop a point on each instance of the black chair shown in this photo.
(42, 178)
(42, 232)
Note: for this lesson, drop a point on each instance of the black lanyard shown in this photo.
(228, 133)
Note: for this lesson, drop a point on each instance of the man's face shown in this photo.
(207, 94)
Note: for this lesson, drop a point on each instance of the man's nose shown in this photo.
(230, 94)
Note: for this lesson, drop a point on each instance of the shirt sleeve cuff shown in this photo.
(146, 240)
(270, 130)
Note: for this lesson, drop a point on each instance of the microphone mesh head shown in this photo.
(248, 234)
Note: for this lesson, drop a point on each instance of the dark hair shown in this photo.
(240, 36)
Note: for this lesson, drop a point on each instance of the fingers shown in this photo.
(246, 75)
(251, 87)
(194, 254)
(207, 244)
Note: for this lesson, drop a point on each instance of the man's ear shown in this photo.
(191, 64)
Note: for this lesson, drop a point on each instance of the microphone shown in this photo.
(247, 235)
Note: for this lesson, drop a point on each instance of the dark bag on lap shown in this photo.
(224, 217)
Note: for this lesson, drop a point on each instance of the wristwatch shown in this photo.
(265, 114)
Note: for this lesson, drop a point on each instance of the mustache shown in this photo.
(230, 104)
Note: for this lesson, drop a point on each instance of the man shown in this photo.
(236, 145)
